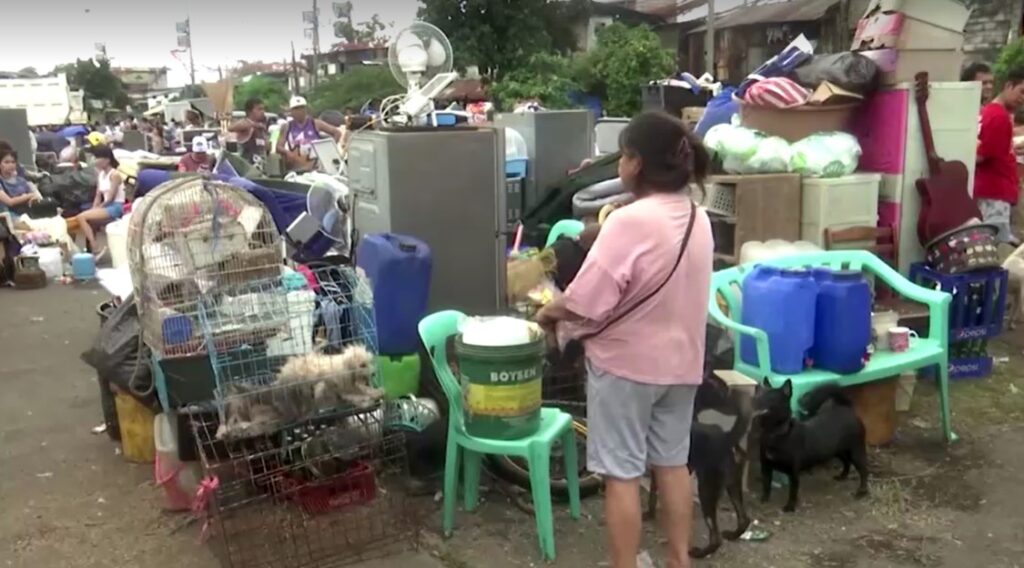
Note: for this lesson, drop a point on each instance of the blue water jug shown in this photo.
(83, 266)
(842, 322)
(399, 269)
(782, 303)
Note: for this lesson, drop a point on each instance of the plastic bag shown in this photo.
(720, 110)
(772, 157)
(738, 147)
(116, 355)
(826, 154)
(851, 71)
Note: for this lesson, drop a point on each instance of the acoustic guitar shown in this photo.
(945, 203)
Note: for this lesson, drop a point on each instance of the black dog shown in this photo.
(717, 460)
(828, 431)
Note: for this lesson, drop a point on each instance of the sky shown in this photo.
(45, 33)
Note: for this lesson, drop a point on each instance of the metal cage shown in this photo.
(188, 238)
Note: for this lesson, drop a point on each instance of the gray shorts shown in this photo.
(997, 213)
(631, 425)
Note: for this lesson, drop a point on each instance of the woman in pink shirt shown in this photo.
(639, 302)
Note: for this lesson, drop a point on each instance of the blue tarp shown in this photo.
(73, 131)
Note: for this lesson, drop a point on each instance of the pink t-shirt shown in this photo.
(662, 341)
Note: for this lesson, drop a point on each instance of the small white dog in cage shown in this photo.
(344, 377)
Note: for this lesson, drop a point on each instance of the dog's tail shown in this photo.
(814, 399)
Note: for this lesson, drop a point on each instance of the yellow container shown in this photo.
(136, 422)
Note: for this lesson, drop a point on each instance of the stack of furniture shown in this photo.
(905, 37)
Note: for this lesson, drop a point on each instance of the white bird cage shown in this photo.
(189, 238)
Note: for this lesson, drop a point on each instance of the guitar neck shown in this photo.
(926, 133)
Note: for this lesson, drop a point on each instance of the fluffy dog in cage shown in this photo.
(335, 379)
(305, 385)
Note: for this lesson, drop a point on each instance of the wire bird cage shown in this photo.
(192, 237)
(309, 469)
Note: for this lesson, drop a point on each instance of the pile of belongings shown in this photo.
(796, 77)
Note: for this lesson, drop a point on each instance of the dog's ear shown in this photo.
(787, 388)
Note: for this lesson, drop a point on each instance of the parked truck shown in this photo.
(46, 100)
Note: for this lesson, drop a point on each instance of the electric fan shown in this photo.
(326, 224)
(420, 57)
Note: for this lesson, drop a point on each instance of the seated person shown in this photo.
(295, 142)
(108, 205)
(199, 159)
(16, 193)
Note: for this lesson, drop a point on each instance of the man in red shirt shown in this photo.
(198, 160)
(996, 184)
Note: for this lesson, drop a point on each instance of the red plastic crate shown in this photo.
(357, 486)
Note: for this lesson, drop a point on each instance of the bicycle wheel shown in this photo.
(515, 470)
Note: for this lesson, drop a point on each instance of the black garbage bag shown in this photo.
(851, 71)
(119, 355)
(73, 191)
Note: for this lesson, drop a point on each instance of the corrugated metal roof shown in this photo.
(777, 13)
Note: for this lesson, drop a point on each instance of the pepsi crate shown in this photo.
(979, 300)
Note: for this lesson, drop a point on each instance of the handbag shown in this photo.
(647, 298)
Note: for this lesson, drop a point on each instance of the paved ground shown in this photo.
(68, 500)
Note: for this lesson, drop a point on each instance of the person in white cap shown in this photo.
(295, 144)
(198, 160)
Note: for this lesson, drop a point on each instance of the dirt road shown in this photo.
(69, 501)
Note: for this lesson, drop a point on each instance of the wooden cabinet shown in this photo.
(752, 208)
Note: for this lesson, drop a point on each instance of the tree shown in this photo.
(97, 81)
(625, 58)
(499, 36)
(1011, 58)
(353, 88)
(370, 32)
(272, 91)
(548, 78)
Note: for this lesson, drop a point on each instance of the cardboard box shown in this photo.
(947, 14)
(897, 30)
(795, 124)
(900, 66)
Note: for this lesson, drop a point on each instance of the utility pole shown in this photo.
(295, 72)
(191, 58)
(709, 40)
(316, 42)
(184, 30)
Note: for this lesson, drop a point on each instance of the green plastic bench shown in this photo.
(923, 352)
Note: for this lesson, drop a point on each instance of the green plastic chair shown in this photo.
(923, 352)
(564, 228)
(556, 425)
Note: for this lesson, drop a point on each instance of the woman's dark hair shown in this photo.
(7, 150)
(671, 157)
(104, 151)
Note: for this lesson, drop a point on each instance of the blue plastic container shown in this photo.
(782, 303)
(399, 269)
(842, 322)
(83, 266)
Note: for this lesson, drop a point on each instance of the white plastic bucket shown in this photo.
(117, 242)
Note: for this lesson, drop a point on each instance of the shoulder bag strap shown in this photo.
(645, 299)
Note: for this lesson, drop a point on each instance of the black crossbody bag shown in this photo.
(648, 297)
